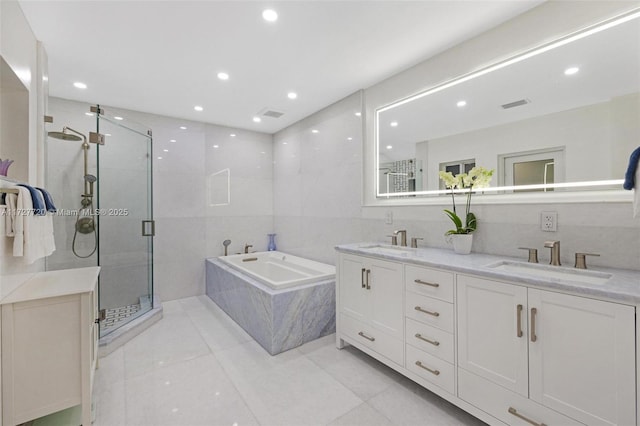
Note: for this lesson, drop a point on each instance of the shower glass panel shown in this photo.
(125, 221)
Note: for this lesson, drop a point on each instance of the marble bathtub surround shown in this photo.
(277, 319)
(622, 286)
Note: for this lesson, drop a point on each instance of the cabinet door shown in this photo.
(582, 360)
(353, 293)
(386, 288)
(492, 331)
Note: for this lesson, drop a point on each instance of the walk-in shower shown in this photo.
(104, 196)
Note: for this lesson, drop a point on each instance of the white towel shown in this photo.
(636, 194)
(32, 235)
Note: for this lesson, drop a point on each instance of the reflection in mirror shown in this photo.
(562, 117)
(218, 188)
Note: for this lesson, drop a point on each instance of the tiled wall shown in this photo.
(188, 228)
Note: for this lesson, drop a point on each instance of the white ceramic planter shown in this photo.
(462, 243)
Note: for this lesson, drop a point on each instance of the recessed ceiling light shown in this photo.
(358, 114)
(107, 134)
(257, 119)
(118, 118)
(393, 124)
(172, 140)
(159, 158)
(349, 138)
(233, 135)
(389, 146)
(571, 71)
(270, 15)
(216, 146)
(284, 143)
(460, 104)
(165, 150)
(79, 85)
(262, 152)
(315, 131)
(183, 127)
(292, 95)
(90, 114)
(198, 108)
(223, 76)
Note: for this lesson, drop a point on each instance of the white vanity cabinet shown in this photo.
(527, 355)
(371, 304)
(429, 325)
(49, 345)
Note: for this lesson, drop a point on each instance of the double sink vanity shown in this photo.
(510, 342)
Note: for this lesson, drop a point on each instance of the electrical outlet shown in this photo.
(549, 221)
(389, 218)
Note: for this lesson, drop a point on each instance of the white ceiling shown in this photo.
(162, 57)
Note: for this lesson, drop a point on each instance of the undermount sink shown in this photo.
(554, 272)
(387, 249)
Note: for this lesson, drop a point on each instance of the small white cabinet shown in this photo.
(570, 354)
(371, 304)
(49, 338)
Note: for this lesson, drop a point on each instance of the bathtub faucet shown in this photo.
(247, 247)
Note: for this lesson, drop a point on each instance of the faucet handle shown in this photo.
(414, 242)
(533, 254)
(581, 260)
(394, 239)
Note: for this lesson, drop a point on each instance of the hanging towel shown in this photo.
(636, 195)
(48, 200)
(32, 234)
(36, 200)
(630, 176)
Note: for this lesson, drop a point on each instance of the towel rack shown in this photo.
(8, 190)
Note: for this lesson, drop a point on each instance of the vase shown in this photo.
(461, 243)
(272, 242)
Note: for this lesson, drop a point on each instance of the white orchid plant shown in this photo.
(478, 177)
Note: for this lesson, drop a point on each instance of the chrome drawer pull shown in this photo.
(519, 320)
(534, 311)
(424, 311)
(433, 342)
(426, 283)
(434, 372)
(366, 337)
(514, 412)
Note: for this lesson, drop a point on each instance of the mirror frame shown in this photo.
(372, 197)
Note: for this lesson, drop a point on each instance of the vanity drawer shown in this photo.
(429, 311)
(429, 339)
(501, 403)
(377, 340)
(429, 282)
(431, 368)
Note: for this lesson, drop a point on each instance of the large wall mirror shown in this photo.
(563, 117)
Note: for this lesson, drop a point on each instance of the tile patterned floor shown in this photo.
(197, 367)
(114, 316)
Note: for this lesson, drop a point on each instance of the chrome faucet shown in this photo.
(403, 236)
(555, 252)
(247, 247)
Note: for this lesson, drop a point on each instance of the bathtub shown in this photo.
(280, 270)
(280, 300)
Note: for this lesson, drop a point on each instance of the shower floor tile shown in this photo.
(115, 316)
(196, 367)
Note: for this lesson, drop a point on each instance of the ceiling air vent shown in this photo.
(271, 113)
(516, 103)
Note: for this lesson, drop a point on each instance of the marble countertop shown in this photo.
(41, 285)
(623, 286)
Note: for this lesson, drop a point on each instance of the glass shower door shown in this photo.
(125, 221)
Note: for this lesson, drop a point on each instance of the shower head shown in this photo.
(64, 136)
(90, 178)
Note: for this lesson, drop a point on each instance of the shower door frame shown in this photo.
(100, 114)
